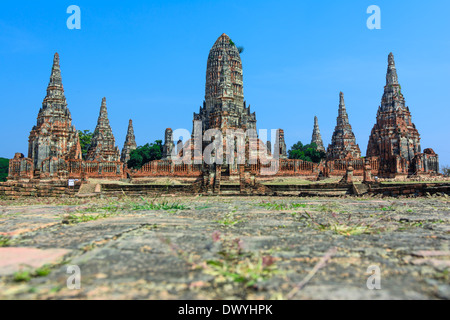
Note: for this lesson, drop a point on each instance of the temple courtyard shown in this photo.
(225, 247)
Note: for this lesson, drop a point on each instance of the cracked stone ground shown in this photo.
(225, 248)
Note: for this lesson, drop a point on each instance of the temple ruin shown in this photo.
(54, 149)
(395, 140)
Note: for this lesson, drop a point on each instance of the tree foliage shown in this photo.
(145, 154)
(307, 152)
(4, 167)
(445, 171)
(85, 141)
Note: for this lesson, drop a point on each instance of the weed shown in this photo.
(239, 267)
(347, 227)
(281, 206)
(73, 218)
(22, 276)
(42, 272)
(229, 220)
(26, 275)
(4, 241)
(153, 205)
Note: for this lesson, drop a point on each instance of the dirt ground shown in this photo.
(225, 248)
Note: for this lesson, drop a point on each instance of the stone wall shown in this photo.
(17, 189)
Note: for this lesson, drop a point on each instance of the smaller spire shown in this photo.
(102, 146)
(391, 76)
(341, 100)
(317, 137)
(56, 59)
(103, 110)
(130, 143)
(55, 87)
(343, 116)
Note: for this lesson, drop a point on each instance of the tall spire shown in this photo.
(104, 111)
(224, 106)
(55, 86)
(55, 98)
(130, 143)
(317, 137)
(393, 98)
(54, 135)
(394, 135)
(224, 68)
(103, 142)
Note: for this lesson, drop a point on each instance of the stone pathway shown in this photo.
(225, 248)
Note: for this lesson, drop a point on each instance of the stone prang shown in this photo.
(343, 143)
(317, 137)
(224, 106)
(54, 136)
(130, 144)
(394, 138)
(103, 145)
(169, 145)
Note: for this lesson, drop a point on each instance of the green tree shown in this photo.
(85, 141)
(145, 154)
(445, 171)
(4, 168)
(307, 152)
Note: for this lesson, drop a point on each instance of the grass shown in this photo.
(247, 271)
(26, 275)
(43, 271)
(390, 208)
(236, 266)
(444, 275)
(233, 264)
(164, 205)
(281, 206)
(22, 276)
(114, 208)
(347, 227)
(4, 241)
(73, 218)
(229, 220)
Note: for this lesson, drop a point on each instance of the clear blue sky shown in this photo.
(149, 59)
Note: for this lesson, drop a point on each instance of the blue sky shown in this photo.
(148, 58)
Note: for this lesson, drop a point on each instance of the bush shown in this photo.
(307, 152)
(85, 141)
(145, 154)
(445, 171)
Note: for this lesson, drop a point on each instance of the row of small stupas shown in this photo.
(55, 152)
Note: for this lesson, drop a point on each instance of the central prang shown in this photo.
(224, 106)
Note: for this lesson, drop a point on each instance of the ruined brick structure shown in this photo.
(280, 145)
(54, 145)
(224, 106)
(169, 145)
(343, 143)
(316, 136)
(129, 145)
(394, 138)
(54, 137)
(103, 145)
(55, 154)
